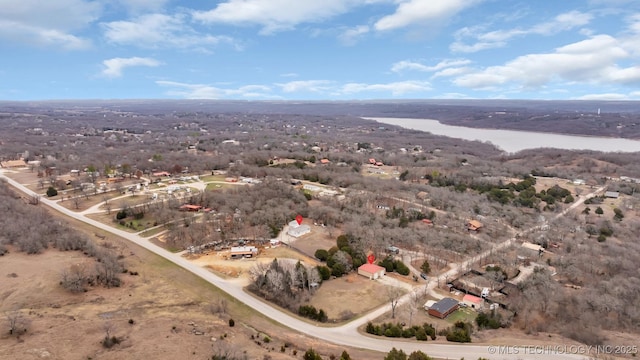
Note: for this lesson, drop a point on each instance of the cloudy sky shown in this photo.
(319, 49)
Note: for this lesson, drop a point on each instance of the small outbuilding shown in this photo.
(243, 252)
(443, 308)
(371, 271)
(533, 247)
(429, 304)
(474, 225)
(473, 302)
(190, 207)
(612, 194)
(13, 163)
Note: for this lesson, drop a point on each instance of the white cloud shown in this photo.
(634, 23)
(352, 35)
(274, 15)
(58, 14)
(594, 60)
(159, 30)
(453, 71)
(47, 23)
(202, 91)
(611, 96)
(306, 85)
(115, 66)
(33, 35)
(395, 88)
(411, 12)
(294, 88)
(415, 66)
(500, 38)
(453, 96)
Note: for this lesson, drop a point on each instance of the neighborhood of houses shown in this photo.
(463, 293)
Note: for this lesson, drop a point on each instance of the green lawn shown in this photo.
(462, 314)
(133, 225)
(214, 187)
(212, 178)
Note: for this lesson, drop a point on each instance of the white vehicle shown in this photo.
(485, 293)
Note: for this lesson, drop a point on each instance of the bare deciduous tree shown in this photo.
(393, 295)
(75, 278)
(17, 322)
(107, 205)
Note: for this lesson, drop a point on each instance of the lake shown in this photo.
(512, 140)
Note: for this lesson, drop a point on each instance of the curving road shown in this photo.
(346, 334)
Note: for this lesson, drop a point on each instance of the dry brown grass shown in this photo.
(167, 304)
(350, 294)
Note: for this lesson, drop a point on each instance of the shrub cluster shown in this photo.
(309, 311)
(488, 321)
(420, 332)
(391, 265)
(459, 332)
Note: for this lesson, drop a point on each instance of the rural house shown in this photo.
(473, 302)
(443, 308)
(474, 225)
(13, 163)
(296, 230)
(371, 271)
(189, 207)
(612, 194)
(243, 252)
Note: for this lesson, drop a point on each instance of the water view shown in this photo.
(513, 141)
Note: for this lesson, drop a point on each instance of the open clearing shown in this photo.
(175, 314)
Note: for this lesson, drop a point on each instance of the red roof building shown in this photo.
(371, 271)
(472, 301)
(188, 207)
(372, 161)
(324, 161)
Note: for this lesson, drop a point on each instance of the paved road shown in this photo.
(346, 335)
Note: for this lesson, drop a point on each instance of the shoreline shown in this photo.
(513, 141)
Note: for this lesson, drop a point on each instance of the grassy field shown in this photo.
(462, 314)
(217, 186)
(209, 178)
(348, 297)
(130, 224)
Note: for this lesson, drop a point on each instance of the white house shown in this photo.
(243, 252)
(296, 230)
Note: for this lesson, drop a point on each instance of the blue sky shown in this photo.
(319, 49)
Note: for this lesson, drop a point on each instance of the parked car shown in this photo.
(424, 276)
(393, 250)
